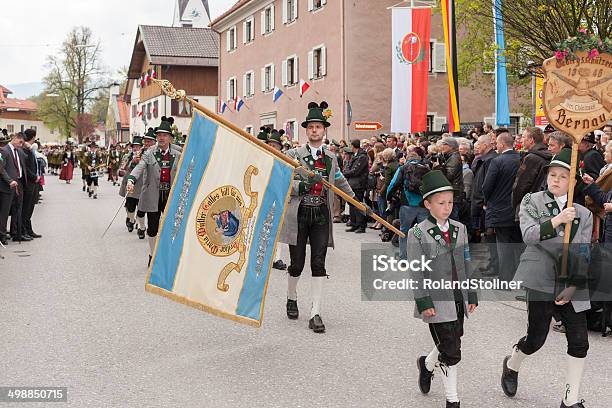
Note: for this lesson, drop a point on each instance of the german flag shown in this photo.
(450, 39)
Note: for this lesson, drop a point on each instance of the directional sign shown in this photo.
(368, 125)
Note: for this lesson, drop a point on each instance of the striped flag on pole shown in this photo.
(502, 108)
(276, 94)
(304, 86)
(450, 39)
(410, 55)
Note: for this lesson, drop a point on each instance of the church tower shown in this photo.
(191, 13)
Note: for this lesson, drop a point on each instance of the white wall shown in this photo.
(44, 134)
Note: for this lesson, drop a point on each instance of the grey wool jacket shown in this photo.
(426, 240)
(289, 229)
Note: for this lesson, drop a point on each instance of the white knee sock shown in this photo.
(432, 359)
(140, 222)
(516, 359)
(292, 287)
(317, 289)
(152, 244)
(449, 379)
(278, 253)
(573, 378)
(94, 189)
(130, 216)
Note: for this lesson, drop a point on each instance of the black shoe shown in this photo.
(292, 309)
(352, 229)
(425, 376)
(280, 265)
(22, 238)
(129, 224)
(316, 324)
(34, 235)
(141, 233)
(576, 405)
(509, 379)
(360, 231)
(3, 241)
(83, 188)
(89, 193)
(453, 404)
(95, 197)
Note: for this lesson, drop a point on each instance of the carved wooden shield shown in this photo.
(578, 94)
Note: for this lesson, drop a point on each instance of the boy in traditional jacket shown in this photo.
(543, 216)
(445, 243)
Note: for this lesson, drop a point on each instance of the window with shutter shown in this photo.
(263, 79)
(289, 71)
(284, 65)
(439, 60)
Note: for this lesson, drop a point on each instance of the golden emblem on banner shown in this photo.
(220, 224)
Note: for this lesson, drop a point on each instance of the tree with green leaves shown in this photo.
(533, 30)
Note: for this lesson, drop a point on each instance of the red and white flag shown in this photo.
(410, 68)
(304, 86)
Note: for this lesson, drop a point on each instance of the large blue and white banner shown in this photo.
(219, 232)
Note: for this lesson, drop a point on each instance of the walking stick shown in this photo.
(116, 214)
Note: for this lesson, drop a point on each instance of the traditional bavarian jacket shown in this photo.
(300, 189)
(152, 169)
(91, 159)
(540, 263)
(448, 263)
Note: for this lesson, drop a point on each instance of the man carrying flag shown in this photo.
(158, 168)
(308, 214)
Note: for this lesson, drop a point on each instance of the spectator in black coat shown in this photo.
(485, 152)
(592, 158)
(499, 214)
(356, 173)
(31, 190)
(531, 173)
(452, 167)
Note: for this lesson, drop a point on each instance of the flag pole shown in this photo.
(173, 93)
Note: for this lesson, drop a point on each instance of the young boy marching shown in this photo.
(445, 243)
(543, 216)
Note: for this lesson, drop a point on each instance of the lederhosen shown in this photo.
(165, 163)
(447, 335)
(93, 163)
(313, 223)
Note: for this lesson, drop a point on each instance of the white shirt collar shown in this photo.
(313, 151)
(507, 150)
(444, 227)
(561, 201)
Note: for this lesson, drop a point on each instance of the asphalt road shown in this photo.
(74, 313)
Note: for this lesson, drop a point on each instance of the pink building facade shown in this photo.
(343, 50)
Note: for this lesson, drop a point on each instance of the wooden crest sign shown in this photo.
(578, 93)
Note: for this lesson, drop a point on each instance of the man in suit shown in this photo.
(497, 192)
(7, 189)
(308, 217)
(31, 188)
(157, 168)
(15, 168)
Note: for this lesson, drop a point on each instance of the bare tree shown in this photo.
(75, 78)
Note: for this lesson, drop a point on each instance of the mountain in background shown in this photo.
(25, 90)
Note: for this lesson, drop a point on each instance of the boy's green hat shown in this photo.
(562, 159)
(434, 182)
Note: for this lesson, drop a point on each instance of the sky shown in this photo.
(32, 29)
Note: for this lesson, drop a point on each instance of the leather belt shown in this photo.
(313, 201)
